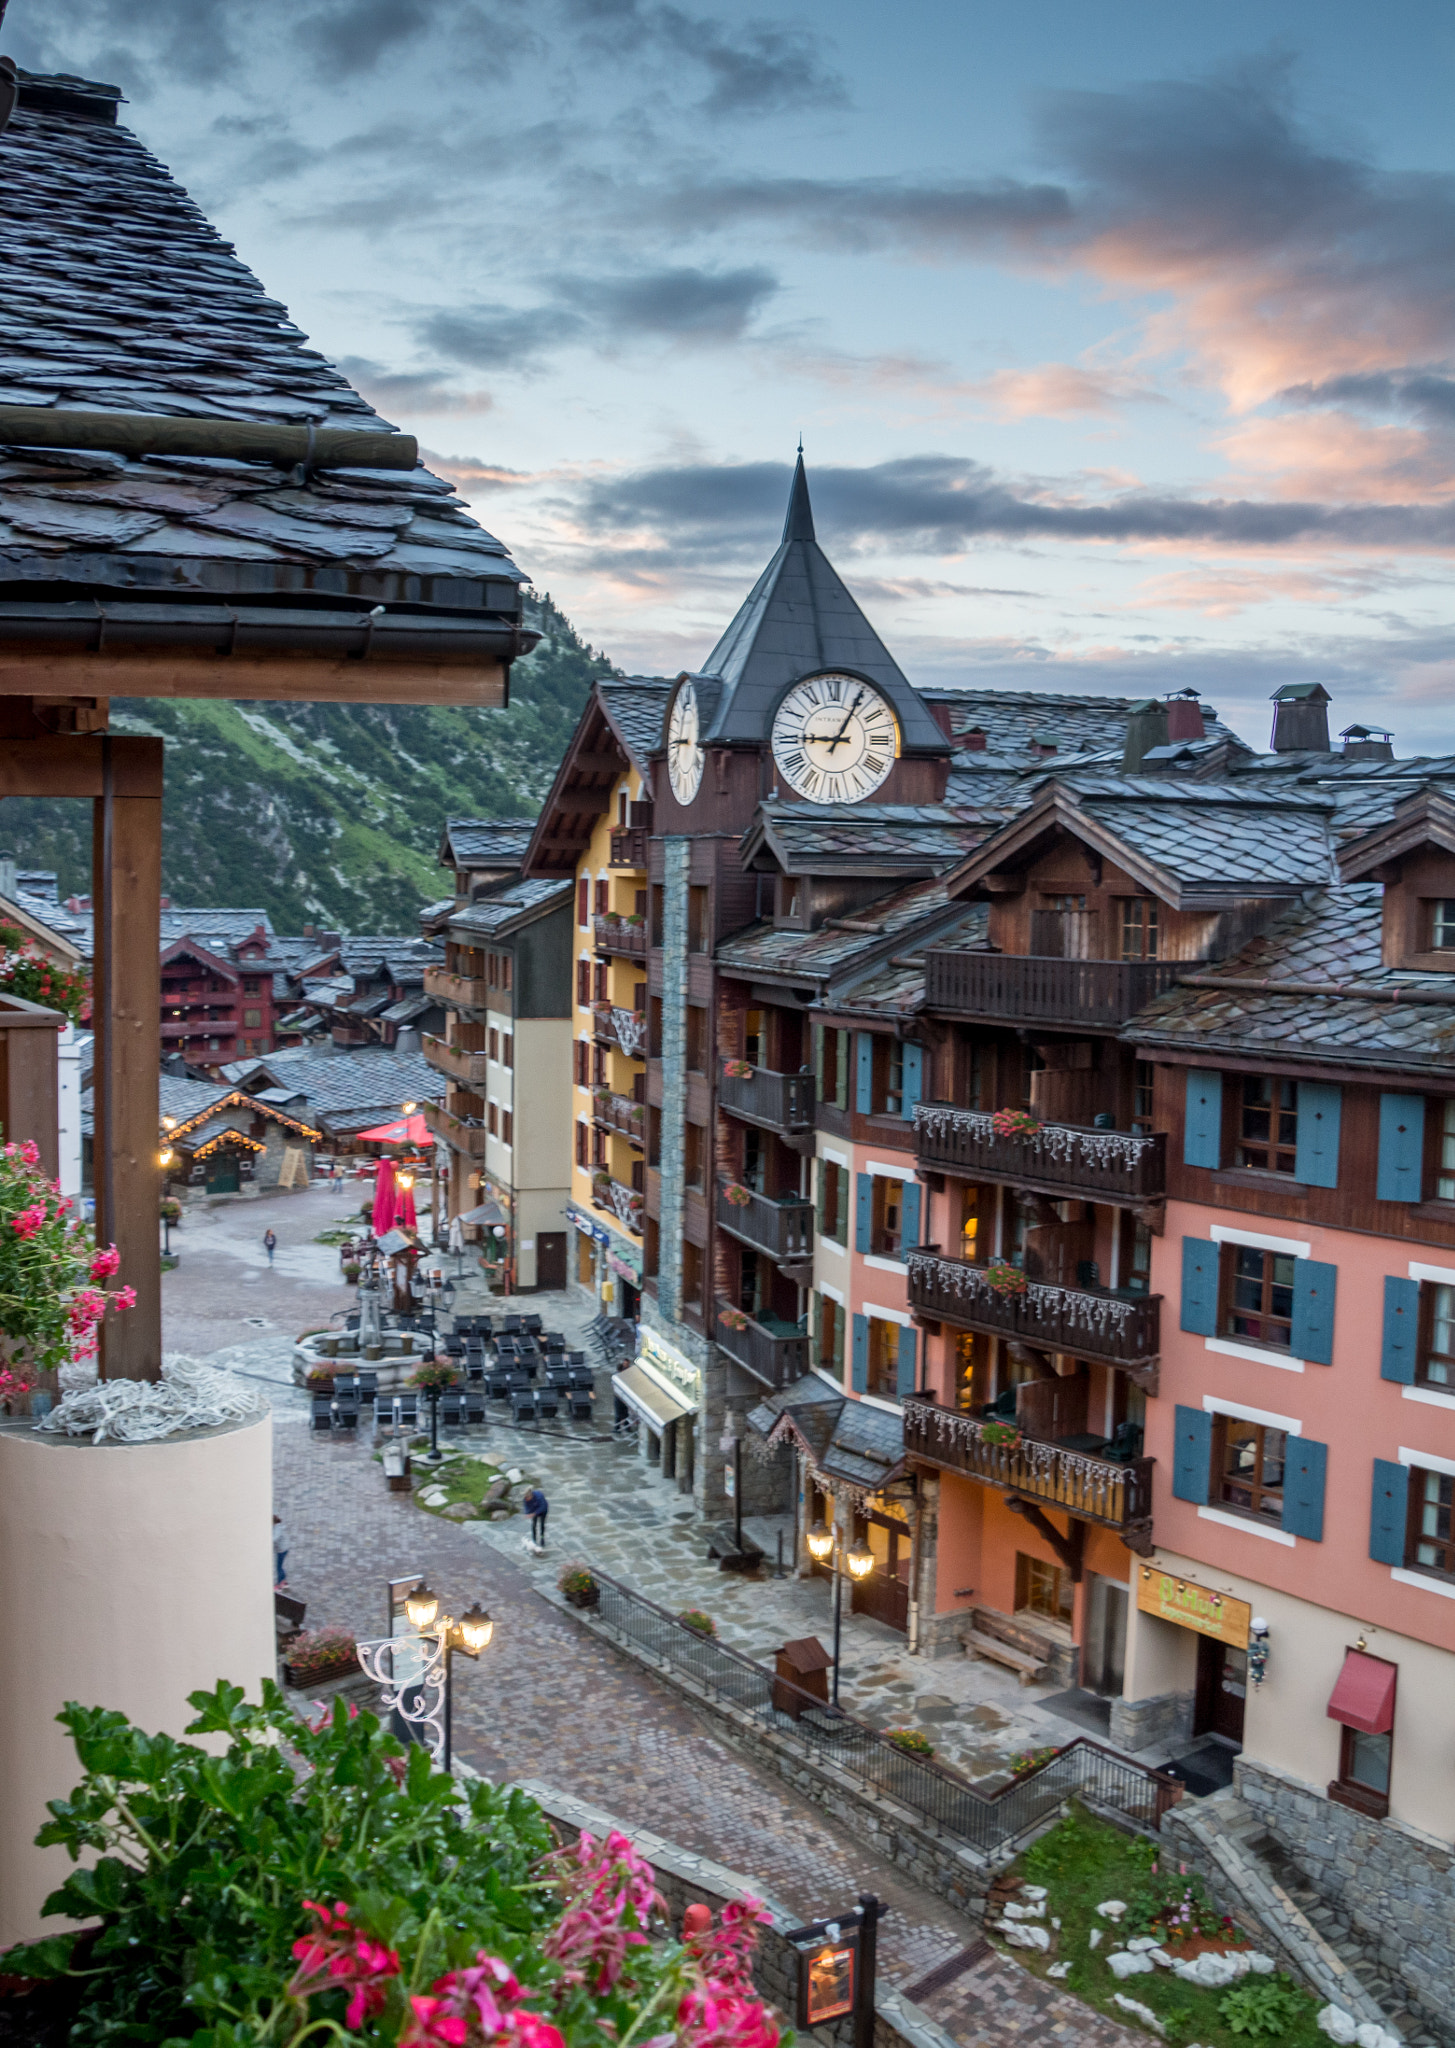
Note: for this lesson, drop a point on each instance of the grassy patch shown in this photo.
(461, 1479)
(1083, 1861)
(341, 1233)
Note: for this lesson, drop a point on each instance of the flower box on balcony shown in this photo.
(1015, 1123)
(737, 1194)
(1003, 1278)
(737, 1070)
(732, 1319)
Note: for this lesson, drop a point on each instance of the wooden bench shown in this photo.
(1031, 1669)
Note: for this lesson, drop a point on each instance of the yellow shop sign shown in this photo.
(1192, 1606)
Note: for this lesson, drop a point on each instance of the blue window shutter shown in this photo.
(1389, 1512)
(1192, 1455)
(1317, 1157)
(1202, 1129)
(1200, 1286)
(1401, 1329)
(1303, 1488)
(863, 1211)
(1312, 1336)
(908, 1348)
(861, 1355)
(1401, 1148)
(909, 1217)
(913, 1078)
(864, 1071)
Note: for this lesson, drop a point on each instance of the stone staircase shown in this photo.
(1255, 1878)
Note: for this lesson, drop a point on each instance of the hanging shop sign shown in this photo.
(1191, 1606)
(670, 1365)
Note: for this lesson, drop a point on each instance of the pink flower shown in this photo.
(335, 1956)
(30, 1152)
(86, 1307)
(29, 1221)
(124, 1297)
(608, 1893)
(105, 1263)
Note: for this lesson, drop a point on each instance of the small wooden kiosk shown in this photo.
(802, 1667)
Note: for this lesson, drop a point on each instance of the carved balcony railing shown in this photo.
(616, 935)
(620, 1113)
(783, 1229)
(1020, 989)
(1125, 1167)
(456, 988)
(628, 847)
(467, 1138)
(628, 1205)
(456, 1060)
(625, 1028)
(777, 1357)
(1116, 1493)
(1091, 1323)
(778, 1102)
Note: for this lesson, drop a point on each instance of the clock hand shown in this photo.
(831, 744)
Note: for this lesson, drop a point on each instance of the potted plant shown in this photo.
(579, 1587)
(434, 1375)
(736, 1070)
(737, 1194)
(170, 1210)
(53, 1276)
(1032, 1760)
(1004, 1435)
(351, 1274)
(700, 1624)
(634, 920)
(910, 1741)
(320, 1654)
(1015, 1123)
(1001, 1277)
(732, 1319)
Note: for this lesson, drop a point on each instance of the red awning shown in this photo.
(1363, 1697)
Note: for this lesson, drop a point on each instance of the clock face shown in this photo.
(834, 739)
(684, 745)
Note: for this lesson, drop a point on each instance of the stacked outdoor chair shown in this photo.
(323, 1411)
(474, 1406)
(547, 1403)
(522, 1402)
(346, 1409)
(368, 1388)
(452, 1408)
(582, 1403)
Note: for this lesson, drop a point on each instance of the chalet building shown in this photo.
(594, 830)
(341, 1094)
(504, 1116)
(379, 992)
(222, 1139)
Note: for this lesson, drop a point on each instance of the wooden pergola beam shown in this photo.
(303, 679)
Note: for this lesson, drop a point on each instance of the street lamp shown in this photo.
(423, 1699)
(825, 1544)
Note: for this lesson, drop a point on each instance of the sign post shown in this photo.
(837, 1969)
(1189, 1605)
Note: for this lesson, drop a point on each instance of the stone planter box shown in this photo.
(298, 1677)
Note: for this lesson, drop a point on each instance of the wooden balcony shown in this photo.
(777, 1102)
(1092, 1323)
(627, 1205)
(459, 989)
(1128, 1168)
(783, 1229)
(626, 1029)
(615, 935)
(1115, 1493)
(628, 847)
(454, 1060)
(466, 1138)
(1007, 988)
(620, 1113)
(777, 1357)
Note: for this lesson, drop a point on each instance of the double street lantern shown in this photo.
(421, 1696)
(826, 1546)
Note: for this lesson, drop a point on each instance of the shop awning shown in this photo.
(648, 1398)
(1363, 1696)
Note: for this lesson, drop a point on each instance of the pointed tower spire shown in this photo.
(799, 523)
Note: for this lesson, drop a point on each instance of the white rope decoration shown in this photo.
(189, 1395)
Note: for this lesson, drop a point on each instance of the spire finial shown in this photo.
(799, 523)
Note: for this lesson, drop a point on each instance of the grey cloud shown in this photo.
(350, 36)
(1425, 395)
(428, 390)
(948, 217)
(687, 304)
(759, 67)
(940, 504)
(499, 337)
(135, 40)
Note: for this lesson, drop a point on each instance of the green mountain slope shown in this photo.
(329, 813)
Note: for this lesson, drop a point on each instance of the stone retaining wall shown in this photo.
(1395, 1885)
(685, 1879)
(1162, 1721)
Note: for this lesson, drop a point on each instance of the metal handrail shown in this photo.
(934, 1793)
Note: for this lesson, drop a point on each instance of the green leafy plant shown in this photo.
(170, 1209)
(53, 1278)
(1004, 1435)
(910, 1741)
(700, 1624)
(1263, 2006)
(311, 1881)
(33, 976)
(576, 1578)
(1001, 1277)
(1172, 1905)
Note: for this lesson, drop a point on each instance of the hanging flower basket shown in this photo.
(732, 1319)
(1015, 1123)
(1005, 1436)
(1003, 1278)
(53, 1275)
(737, 1194)
(432, 1378)
(736, 1070)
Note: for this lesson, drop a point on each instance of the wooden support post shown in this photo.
(127, 1001)
(1070, 1548)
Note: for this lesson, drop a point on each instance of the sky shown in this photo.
(1121, 339)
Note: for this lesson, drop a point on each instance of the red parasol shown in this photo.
(409, 1130)
(386, 1198)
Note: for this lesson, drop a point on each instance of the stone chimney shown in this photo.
(1185, 717)
(1146, 728)
(1301, 719)
(1367, 743)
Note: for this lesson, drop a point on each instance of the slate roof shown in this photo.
(485, 842)
(1012, 720)
(830, 954)
(800, 617)
(636, 707)
(848, 1440)
(1224, 839)
(512, 905)
(121, 296)
(830, 839)
(345, 1092)
(1330, 940)
(404, 958)
(894, 989)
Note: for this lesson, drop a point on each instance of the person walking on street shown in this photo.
(270, 1242)
(537, 1507)
(280, 1551)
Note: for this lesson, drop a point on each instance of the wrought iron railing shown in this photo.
(776, 1357)
(1095, 994)
(935, 1797)
(784, 1228)
(781, 1102)
(615, 935)
(620, 1113)
(1116, 1166)
(1091, 1323)
(626, 1028)
(1115, 1492)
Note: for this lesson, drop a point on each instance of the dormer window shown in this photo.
(1442, 924)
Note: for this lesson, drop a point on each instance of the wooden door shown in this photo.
(1222, 1689)
(550, 1258)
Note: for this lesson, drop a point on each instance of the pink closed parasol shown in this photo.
(386, 1199)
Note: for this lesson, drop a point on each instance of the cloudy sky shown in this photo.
(1121, 338)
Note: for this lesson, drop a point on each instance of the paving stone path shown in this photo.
(550, 1701)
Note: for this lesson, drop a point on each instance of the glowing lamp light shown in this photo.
(820, 1542)
(409, 1107)
(169, 1123)
(860, 1561)
(476, 1629)
(422, 1606)
(404, 1180)
(165, 1158)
